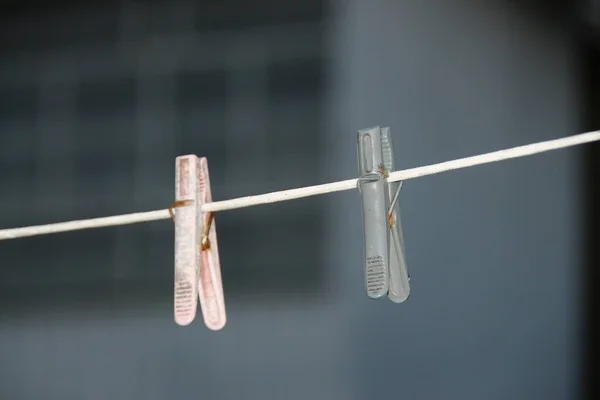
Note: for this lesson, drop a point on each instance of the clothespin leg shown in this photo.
(399, 288)
(210, 287)
(185, 212)
(372, 187)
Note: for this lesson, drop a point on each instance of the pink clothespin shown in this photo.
(197, 265)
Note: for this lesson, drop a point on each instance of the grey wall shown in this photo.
(493, 250)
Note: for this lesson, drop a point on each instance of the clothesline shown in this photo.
(297, 193)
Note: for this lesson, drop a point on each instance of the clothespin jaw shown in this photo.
(385, 266)
(197, 265)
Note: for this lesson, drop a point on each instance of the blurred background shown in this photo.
(98, 98)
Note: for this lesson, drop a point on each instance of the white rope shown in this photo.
(291, 194)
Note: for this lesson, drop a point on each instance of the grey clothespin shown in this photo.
(385, 264)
